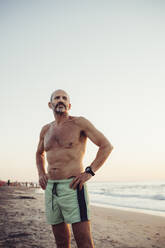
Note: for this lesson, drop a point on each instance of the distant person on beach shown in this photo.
(8, 182)
(66, 198)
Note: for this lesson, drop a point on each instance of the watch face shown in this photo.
(88, 170)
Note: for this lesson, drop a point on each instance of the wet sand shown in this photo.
(23, 225)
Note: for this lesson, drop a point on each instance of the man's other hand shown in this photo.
(43, 181)
(80, 180)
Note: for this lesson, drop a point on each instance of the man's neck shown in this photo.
(61, 117)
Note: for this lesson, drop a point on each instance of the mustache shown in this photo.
(60, 103)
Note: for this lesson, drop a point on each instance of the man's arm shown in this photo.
(40, 159)
(98, 139)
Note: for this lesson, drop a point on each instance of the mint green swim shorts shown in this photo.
(63, 204)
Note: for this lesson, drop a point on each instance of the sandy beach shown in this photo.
(23, 225)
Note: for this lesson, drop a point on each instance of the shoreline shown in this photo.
(22, 224)
(135, 210)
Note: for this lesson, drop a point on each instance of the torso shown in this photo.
(65, 146)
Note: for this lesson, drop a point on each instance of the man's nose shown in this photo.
(60, 99)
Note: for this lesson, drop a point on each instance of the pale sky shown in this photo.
(109, 56)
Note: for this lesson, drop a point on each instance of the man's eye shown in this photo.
(64, 97)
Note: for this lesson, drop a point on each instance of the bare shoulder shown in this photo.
(83, 123)
(44, 130)
(92, 132)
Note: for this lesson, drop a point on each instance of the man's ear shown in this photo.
(70, 106)
(50, 105)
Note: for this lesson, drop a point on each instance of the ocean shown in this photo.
(147, 197)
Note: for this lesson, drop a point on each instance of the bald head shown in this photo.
(59, 91)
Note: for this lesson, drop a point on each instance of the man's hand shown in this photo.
(43, 179)
(80, 179)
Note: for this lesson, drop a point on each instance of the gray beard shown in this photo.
(59, 112)
(58, 109)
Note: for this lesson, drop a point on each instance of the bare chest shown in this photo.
(66, 136)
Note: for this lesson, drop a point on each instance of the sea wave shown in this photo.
(160, 197)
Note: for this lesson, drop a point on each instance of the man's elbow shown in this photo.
(109, 148)
(39, 154)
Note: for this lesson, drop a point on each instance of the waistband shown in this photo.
(61, 180)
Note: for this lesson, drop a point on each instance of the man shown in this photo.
(66, 200)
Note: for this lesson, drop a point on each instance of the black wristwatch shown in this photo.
(89, 171)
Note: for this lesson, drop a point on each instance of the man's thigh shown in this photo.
(62, 235)
(82, 234)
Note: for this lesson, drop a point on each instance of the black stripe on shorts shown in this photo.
(82, 204)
